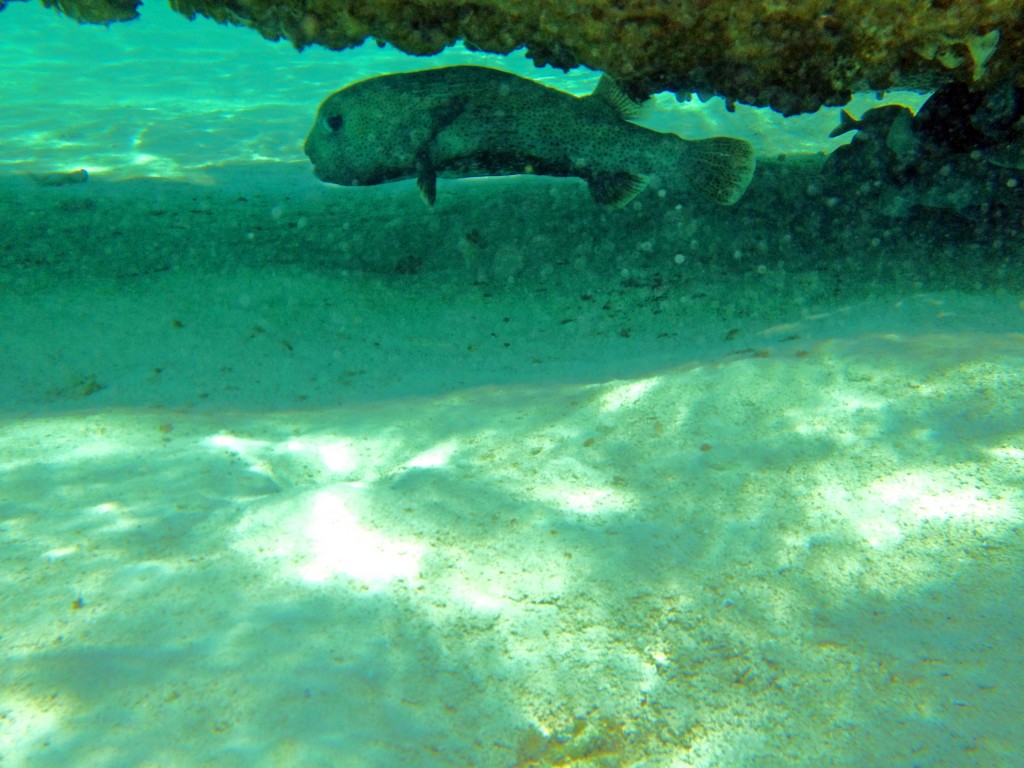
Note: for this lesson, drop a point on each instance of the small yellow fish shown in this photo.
(60, 179)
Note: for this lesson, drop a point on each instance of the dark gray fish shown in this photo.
(900, 162)
(457, 122)
(889, 130)
(874, 123)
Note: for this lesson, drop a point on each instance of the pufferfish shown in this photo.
(465, 121)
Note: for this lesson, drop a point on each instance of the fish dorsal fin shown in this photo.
(611, 94)
(615, 189)
(847, 123)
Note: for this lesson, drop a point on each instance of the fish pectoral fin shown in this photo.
(442, 115)
(426, 180)
(615, 189)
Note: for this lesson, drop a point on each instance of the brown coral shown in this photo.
(96, 11)
(793, 55)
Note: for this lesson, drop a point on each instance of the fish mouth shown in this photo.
(317, 172)
(306, 151)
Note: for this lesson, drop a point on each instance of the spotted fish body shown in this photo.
(458, 122)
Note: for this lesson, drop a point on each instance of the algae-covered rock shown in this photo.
(96, 11)
(794, 56)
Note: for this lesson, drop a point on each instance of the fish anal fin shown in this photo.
(721, 168)
(615, 189)
(611, 94)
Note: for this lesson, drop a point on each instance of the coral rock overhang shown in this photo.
(792, 55)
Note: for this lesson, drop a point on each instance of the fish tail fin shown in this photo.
(721, 168)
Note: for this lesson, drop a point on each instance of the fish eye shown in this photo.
(331, 123)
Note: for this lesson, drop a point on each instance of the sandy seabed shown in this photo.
(302, 476)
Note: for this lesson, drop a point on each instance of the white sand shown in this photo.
(301, 476)
(260, 513)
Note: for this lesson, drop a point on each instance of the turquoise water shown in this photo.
(294, 474)
(163, 95)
